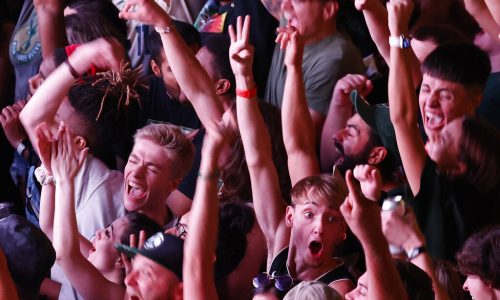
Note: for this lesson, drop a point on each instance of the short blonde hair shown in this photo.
(318, 188)
(171, 138)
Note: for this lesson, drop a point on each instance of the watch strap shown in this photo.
(414, 252)
(401, 41)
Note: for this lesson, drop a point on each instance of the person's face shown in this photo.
(443, 101)
(305, 15)
(478, 289)
(149, 280)
(443, 147)
(361, 290)
(103, 254)
(351, 143)
(316, 229)
(422, 48)
(171, 84)
(149, 178)
(46, 67)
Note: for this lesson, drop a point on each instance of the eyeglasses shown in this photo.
(282, 283)
(181, 230)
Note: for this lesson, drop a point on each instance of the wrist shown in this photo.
(245, 82)
(164, 22)
(414, 241)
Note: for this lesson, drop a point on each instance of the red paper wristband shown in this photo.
(249, 94)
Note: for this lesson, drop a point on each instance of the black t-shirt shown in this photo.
(279, 268)
(216, 18)
(161, 108)
(448, 212)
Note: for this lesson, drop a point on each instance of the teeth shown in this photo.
(133, 184)
(435, 118)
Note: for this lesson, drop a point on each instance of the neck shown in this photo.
(298, 268)
(326, 30)
(160, 214)
(115, 275)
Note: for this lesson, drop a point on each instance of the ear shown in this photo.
(222, 86)
(458, 170)
(119, 263)
(377, 155)
(155, 68)
(289, 216)
(80, 142)
(330, 9)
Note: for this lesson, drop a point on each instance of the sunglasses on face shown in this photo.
(281, 283)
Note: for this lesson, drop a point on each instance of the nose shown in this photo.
(433, 99)
(318, 226)
(465, 287)
(351, 295)
(339, 136)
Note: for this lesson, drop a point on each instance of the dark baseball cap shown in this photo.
(29, 254)
(378, 118)
(165, 249)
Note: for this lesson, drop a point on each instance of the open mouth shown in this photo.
(134, 190)
(316, 248)
(434, 121)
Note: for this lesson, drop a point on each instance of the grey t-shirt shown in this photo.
(323, 64)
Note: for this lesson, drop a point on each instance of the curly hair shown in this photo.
(480, 256)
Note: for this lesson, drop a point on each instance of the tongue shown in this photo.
(434, 122)
(136, 192)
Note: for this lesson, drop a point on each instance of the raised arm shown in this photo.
(340, 111)
(363, 217)
(403, 230)
(485, 16)
(190, 75)
(42, 107)
(402, 99)
(298, 128)
(269, 206)
(84, 277)
(50, 14)
(273, 7)
(199, 247)
(376, 20)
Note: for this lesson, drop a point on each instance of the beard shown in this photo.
(348, 162)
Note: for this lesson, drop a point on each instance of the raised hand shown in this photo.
(402, 229)
(241, 51)
(399, 14)
(65, 161)
(370, 181)
(12, 127)
(44, 146)
(348, 83)
(145, 11)
(289, 39)
(104, 53)
(364, 4)
(362, 215)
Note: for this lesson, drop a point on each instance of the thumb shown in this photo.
(353, 186)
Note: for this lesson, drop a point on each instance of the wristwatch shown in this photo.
(401, 41)
(165, 29)
(23, 145)
(414, 252)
